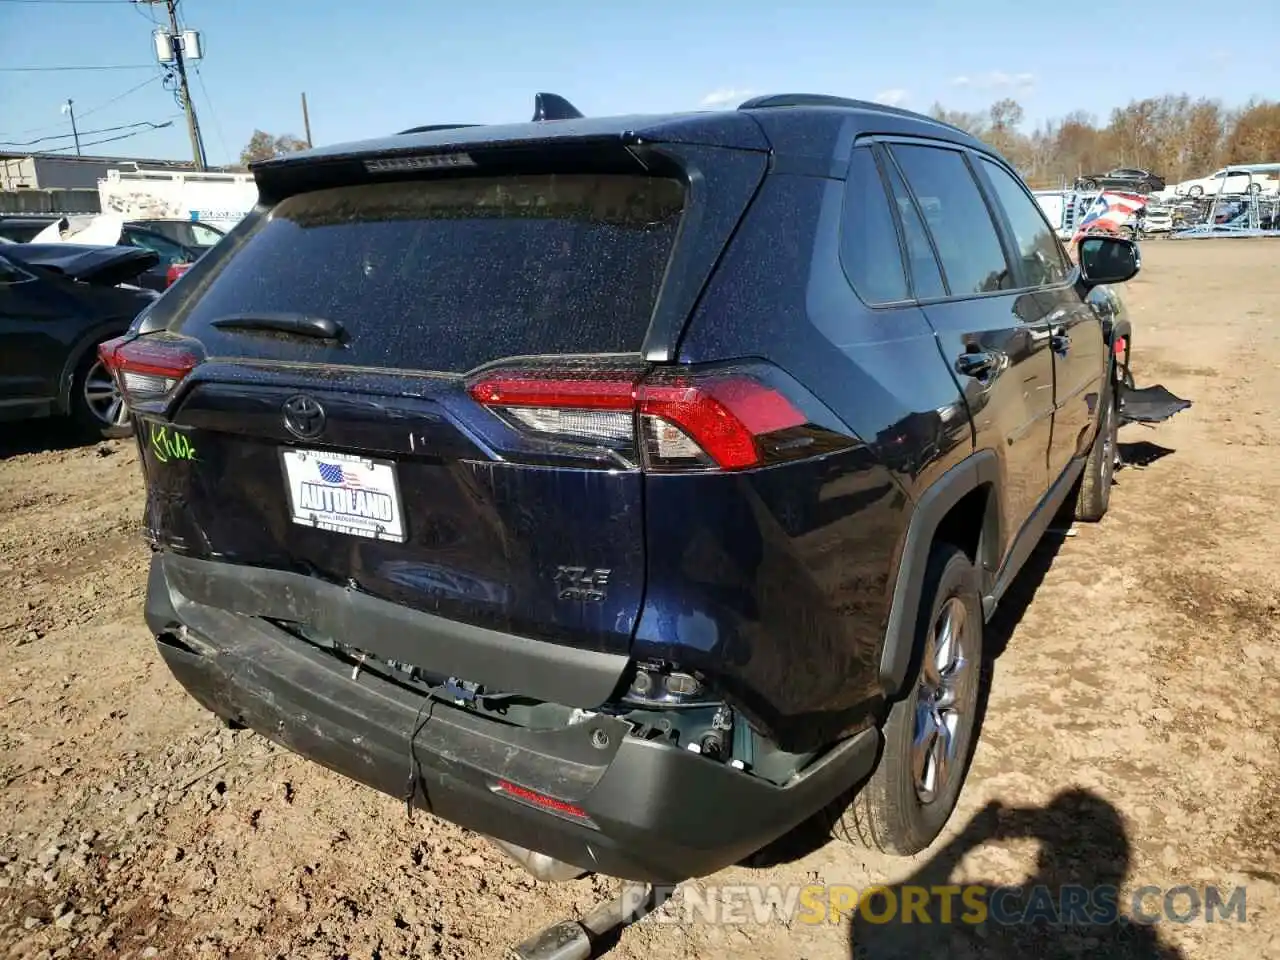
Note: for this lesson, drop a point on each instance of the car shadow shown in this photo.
(41, 436)
(1070, 906)
(1141, 453)
(815, 833)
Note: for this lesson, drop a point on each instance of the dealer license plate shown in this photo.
(344, 493)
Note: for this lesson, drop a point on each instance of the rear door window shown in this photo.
(869, 246)
(957, 217)
(926, 278)
(447, 275)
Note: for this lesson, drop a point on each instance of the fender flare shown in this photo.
(75, 356)
(977, 469)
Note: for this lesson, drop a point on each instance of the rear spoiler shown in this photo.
(546, 106)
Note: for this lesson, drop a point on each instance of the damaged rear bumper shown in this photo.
(622, 806)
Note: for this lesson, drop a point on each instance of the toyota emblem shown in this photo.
(304, 417)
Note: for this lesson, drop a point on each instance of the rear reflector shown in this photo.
(534, 799)
(674, 418)
(147, 368)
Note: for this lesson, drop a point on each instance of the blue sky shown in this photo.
(372, 68)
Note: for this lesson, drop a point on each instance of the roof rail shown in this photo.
(551, 106)
(427, 128)
(823, 100)
(802, 100)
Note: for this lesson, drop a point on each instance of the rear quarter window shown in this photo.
(448, 275)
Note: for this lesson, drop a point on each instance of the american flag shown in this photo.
(333, 473)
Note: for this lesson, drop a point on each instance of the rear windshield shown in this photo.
(448, 275)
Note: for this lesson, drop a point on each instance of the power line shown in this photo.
(119, 97)
(123, 136)
(217, 127)
(102, 106)
(114, 3)
(84, 133)
(117, 66)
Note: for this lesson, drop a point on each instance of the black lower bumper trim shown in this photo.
(656, 813)
(554, 672)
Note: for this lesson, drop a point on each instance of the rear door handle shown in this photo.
(975, 364)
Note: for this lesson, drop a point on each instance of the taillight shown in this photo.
(573, 404)
(174, 272)
(718, 420)
(728, 418)
(147, 368)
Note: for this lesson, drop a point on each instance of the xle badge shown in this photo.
(579, 583)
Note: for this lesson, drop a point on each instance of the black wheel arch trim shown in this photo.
(75, 356)
(977, 469)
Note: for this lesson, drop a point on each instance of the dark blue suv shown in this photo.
(628, 490)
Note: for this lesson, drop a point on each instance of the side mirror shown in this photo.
(1108, 260)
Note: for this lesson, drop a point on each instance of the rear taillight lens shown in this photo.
(174, 272)
(734, 418)
(716, 420)
(147, 368)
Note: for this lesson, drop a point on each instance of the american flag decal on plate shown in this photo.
(343, 493)
(333, 473)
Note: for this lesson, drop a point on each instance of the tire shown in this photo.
(1088, 184)
(1093, 495)
(1195, 190)
(896, 811)
(97, 409)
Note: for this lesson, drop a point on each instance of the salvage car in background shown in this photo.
(174, 258)
(1225, 181)
(189, 233)
(162, 237)
(58, 301)
(1123, 178)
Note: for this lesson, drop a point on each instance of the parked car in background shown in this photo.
(1128, 179)
(158, 236)
(24, 229)
(1227, 181)
(189, 233)
(174, 258)
(58, 302)
(648, 522)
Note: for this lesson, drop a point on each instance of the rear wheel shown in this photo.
(97, 406)
(928, 737)
(1094, 495)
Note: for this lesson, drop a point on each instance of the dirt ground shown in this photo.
(1132, 736)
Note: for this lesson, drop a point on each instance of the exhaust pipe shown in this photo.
(544, 868)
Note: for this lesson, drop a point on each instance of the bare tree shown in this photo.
(1172, 135)
(264, 146)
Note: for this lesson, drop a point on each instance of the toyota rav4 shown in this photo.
(627, 490)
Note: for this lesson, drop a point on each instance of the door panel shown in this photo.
(998, 344)
(1075, 334)
(1079, 367)
(1011, 403)
(32, 336)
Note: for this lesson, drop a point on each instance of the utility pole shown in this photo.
(74, 132)
(176, 49)
(306, 118)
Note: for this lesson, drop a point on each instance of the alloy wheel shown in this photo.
(102, 397)
(945, 694)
